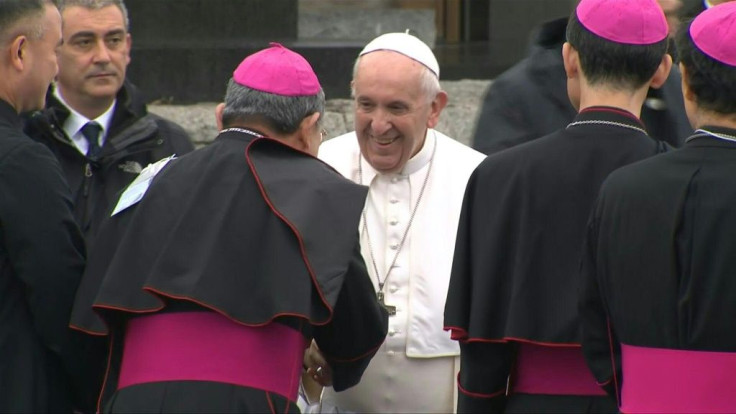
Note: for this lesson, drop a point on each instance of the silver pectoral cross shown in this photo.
(389, 308)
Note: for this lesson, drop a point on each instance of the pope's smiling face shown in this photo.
(392, 111)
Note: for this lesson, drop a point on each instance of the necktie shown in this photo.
(91, 132)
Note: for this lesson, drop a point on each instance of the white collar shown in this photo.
(75, 121)
(415, 163)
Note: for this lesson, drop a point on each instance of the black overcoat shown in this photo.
(41, 262)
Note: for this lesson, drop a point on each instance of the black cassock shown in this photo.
(659, 278)
(515, 283)
(248, 229)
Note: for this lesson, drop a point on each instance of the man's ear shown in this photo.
(305, 135)
(18, 52)
(663, 71)
(219, 109)
(687, 92)
(128, 47)
(571, 60)
(436, 106)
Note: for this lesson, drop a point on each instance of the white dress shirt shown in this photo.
(74, 123)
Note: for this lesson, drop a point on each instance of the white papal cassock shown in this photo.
(414, 371)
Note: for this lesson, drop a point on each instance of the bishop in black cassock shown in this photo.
(512, 301)
(237, 255)
(658, 307)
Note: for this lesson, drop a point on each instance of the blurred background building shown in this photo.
(184, 50)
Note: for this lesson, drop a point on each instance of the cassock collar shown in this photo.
(607, 116)
(703, 137)
(241, 133)
(610, 114)
(415, 163)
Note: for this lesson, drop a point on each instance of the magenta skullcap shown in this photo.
(714, 32)
(631, 22)
(279, 71)
(406, 44)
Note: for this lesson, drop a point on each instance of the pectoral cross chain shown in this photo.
(379, 294)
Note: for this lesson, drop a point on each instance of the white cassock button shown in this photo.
(393, 246)
(393, 222)
(393, 289)
(393, 201)
(391, 333)
(390, 353)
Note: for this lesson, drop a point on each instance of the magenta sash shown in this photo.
(553, 370)
(206, 346)
(672, 380)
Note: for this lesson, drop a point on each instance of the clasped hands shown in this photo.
(317, 367)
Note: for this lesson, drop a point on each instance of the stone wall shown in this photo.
(345, 24)
(457, 120)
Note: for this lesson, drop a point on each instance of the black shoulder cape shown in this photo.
(515, 274)
(247, 227)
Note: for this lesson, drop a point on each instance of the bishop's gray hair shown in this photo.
(282, 113)
(96, 5)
